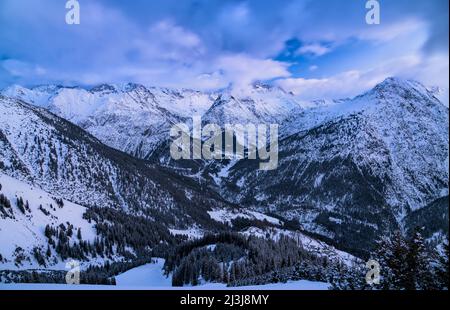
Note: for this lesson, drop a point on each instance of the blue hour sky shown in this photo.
(315, 48)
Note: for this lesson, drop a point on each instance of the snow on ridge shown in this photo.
(312, 245)
(192, 232)
(227, 215)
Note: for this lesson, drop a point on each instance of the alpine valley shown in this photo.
(86, 175)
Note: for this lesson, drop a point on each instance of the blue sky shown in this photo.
(315, 48)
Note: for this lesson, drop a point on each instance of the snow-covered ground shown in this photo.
(312, 245)
(227, 215)
(151, 277)
(27, 230)
(291, 286)
(145, 276)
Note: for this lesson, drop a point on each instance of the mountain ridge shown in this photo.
(369, 160)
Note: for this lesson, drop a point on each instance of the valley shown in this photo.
(86, 174)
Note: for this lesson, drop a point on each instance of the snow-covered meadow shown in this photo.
(151, 277)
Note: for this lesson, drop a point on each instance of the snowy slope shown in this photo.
(27, 230)
(261, 104)
(40, 96)
(227, 215)
(184, 102)
(129, 117)
(151, 277)
(290, 285)
(348, 169)
(64, 160)
(310, 244)
(355, 168)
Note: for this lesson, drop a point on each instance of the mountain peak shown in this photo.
(395, 83)
(394, 87)
(134, 86)
(104, 88)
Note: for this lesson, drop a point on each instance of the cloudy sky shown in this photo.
(315, 48)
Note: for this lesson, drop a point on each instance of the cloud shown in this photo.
(215, 43)
(243, 70)
(22, 69)
(342, 85)
(429, 71)
(170, 33)
(314, 49)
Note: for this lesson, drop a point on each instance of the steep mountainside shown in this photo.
(27, 224)
(62, 159)
(359, 169)
(261, 104)
(130, 118)
(349, 170)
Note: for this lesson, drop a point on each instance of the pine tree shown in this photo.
(20, 205)
(442, 265)
(418, 275)
(225, 277)
(69, 231)
(233, 273)
(48, 231)
(391, 254)
(79, 234)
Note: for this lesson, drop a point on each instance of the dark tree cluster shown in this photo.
(210, 264)
(60, 239)
(23, 206)
(59, 202)
(405, 264)
(40, 258)
(175, 255)
(242, 223)
(314, 269)
(123, 230)
(105, 274)
(33, 276)
(5, 207)
(408, 263)
(237, 260)
(19, 256)
(46, 212)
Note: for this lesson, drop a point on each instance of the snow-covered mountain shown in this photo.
(136, 119)
(130, 117)
(28, 227)
(354, 169)
(349, 170)
(56, 179)
(64, 160)
(260, 104)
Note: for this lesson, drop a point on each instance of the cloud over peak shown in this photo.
(210, 44)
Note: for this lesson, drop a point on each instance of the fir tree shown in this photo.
(79, 234)
(49, 252)
(392, 254)
(441, 266)
(20, 205)
(418, 275)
